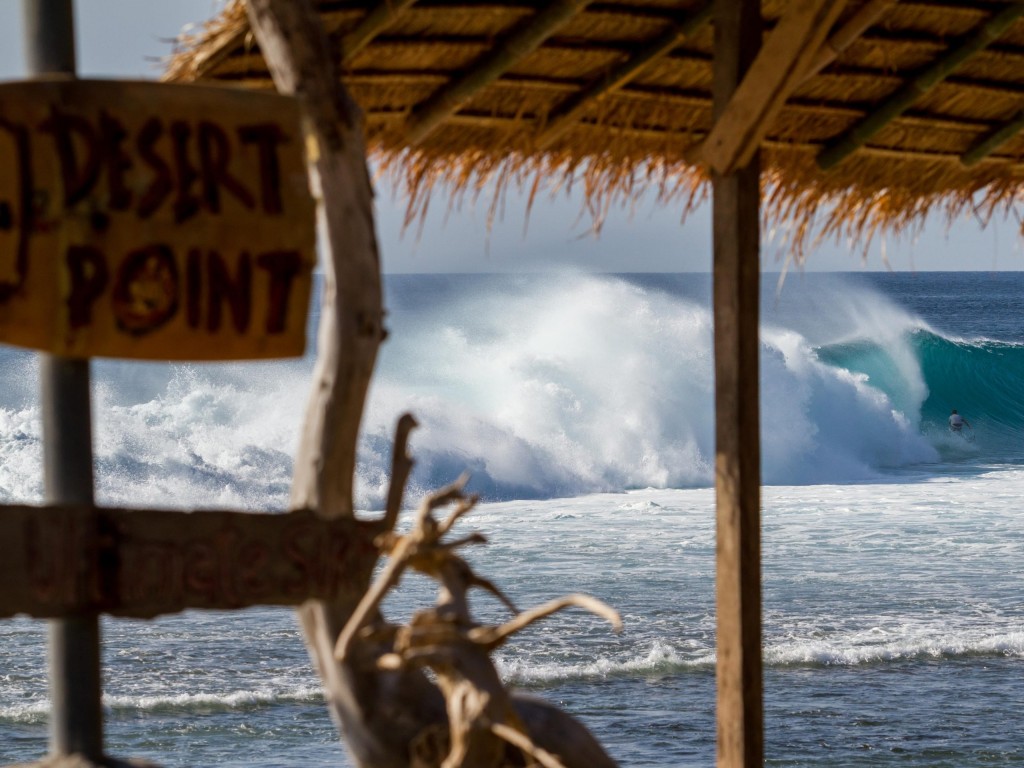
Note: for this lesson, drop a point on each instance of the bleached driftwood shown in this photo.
(389, 712)
(378, 712)
(484, 718)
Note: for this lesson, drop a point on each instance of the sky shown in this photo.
(127, 39)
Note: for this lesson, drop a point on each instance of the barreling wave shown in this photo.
(930, 374)
(545, 387)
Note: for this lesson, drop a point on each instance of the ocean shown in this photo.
(582, 405)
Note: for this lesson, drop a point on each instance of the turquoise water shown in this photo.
(893, 550)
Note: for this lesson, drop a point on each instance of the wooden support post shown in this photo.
(351, 316)
(736, 223)
(76, 715)
(379, 717)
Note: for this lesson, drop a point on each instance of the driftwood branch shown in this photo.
(494, 637)
(518, 740)
(484, 719)
(391, 714)
(401, 467)
(381, 713)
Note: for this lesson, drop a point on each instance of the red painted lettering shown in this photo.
(88, 271)
(222, 288)
(78, 175)
(146, 290)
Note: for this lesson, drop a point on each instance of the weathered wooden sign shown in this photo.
(146, 220)
(60, 561)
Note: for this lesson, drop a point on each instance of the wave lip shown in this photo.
(927, 374)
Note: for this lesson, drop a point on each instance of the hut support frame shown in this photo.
(736, 296)
(76, 718)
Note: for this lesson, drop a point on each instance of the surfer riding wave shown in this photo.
(958, 422)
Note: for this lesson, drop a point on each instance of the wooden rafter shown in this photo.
(375, 22)
(777, 71)
(899, 102)
(989, 143)
(509, 124)
(566, 115)
(852, 29)
(503, 55)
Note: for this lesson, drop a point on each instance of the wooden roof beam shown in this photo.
(776, 72)
(913, 89)
(526, 38)
(376, 21)
(568, 112)
(844, 37)
(989, 143)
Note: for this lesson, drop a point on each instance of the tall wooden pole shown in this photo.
(76, 717)
(736, 223)
(380, 713)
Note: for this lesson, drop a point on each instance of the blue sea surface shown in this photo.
(893, 549)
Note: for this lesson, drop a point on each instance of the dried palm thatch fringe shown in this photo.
(630, 143)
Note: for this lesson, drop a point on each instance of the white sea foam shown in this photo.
(659, 656)
(207, 702)
(601, 385)
(594, 384)
(38, 711)
(877, 645)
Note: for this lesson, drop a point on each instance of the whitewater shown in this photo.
(582, 406)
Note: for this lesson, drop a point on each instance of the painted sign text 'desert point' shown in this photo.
(153, 221)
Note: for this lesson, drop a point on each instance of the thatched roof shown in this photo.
(908, 106)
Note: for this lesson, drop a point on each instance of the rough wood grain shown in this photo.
(60, 561)
(736, 291)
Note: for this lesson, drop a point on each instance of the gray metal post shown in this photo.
(76, 720)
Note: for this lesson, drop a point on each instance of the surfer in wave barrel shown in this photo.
(957, 422)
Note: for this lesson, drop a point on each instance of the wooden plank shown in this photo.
(154, 221)
(777, 71)
(59, 561)
(736, 294)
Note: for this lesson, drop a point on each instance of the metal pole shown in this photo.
(76, 720)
